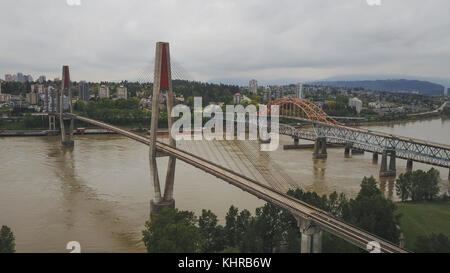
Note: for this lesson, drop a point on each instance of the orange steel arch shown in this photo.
(301, 108)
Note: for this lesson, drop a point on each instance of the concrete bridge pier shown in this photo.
(392, 166)
(295, 140)
(375, 157)
(409, 165)
(320, 148)
(51, 122)
(311, 236)
(67, 132)
(348, 147)
(386, 171)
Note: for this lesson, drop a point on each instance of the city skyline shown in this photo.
(208, 41)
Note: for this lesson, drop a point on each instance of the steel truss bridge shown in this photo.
(367, 140)
(298, 208)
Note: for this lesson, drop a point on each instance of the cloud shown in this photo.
(227, 39)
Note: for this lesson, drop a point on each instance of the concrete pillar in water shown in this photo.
(392, 166)
(409, 165)
(311, 236)
(375, 157)
(51, 122)
(348, 146)
(295, 141)
(384, 170)
(320, 148)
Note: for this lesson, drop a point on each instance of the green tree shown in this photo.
(269, 227)
(372, 212)
(403, 186)
(172, 231)
(418, 185)
(231, 231)
(213, 235)
(7, 240)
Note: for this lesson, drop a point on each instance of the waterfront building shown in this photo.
(253, 86)
(83, 91)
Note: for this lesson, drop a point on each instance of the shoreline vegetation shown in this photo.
(423, 226)
(142, 120)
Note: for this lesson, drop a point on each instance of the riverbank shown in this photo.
(94, 131)
(423, 219)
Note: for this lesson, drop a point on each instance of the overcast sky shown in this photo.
(227, 40)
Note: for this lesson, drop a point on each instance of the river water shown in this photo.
(98, 192)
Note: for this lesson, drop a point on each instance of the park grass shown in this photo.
(422, 219)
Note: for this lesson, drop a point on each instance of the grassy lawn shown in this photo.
(422, 219)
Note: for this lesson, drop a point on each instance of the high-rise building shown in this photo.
(83, 91)
(445, 91)
(42, 79)
(357, 103)
(27, 78)
(103, 92)
(267, 94)
(299, 91)
(122, 92)
(253, 86)
(20, 77)
(37, 88)
(9, 78)
(51, 100)
(32, 98)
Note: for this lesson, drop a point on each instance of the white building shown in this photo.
(445, 91)
(237, 98)
(122, 92)
(299, 91)
(103, 91)
(357, 103)
(253, 86)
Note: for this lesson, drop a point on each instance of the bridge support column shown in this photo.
(392, 165)
(51, 122)
(162, 82)
(348, 147)
(295, 141)
(384, 170)
(409, 165)
(320, 148)
(375, 157)
(66, 124)
(311, 236)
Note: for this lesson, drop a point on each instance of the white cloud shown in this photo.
(213, 39)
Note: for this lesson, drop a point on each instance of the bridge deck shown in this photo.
(321, 218)
(373, 141)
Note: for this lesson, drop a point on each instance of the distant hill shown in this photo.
(423, 87)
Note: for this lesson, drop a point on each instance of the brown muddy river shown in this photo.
(98, 192)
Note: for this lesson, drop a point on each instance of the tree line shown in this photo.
(418, 185)
(270, 229)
